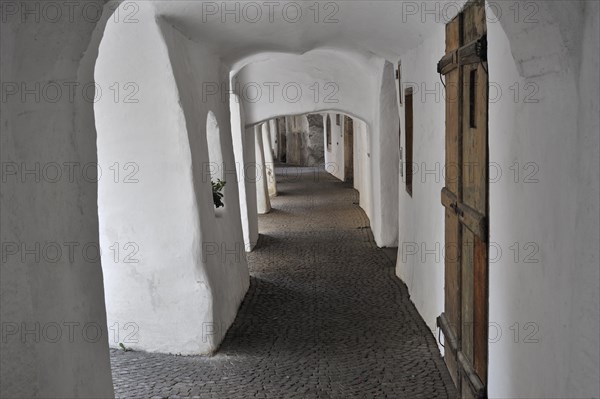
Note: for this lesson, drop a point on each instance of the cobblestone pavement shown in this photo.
(325, 316)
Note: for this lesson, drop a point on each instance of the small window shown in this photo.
(408, 137)
(338, 120)
(213, 169)
(328, 128)
(213, 140)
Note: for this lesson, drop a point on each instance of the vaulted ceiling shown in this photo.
(236, 30)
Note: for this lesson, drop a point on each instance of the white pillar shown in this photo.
(243, 147)
(269, 163)
(263, 204)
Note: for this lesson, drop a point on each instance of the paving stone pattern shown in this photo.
(325, 315)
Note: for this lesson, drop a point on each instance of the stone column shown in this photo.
(282, 142)
(313, 141)
(269, 163)
(274, 138)
(263, 204)
(291, 151)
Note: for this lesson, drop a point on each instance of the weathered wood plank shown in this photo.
(474, 20)
(452, 166)
(472, 53)
(474, 138)
(453, 34)
(451, 191)
(448, 198)
(473, 220)
(473, 387)
(452, 281)
(480, 309)
(448, 63)
(467, 293)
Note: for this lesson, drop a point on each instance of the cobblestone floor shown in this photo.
(325, 316)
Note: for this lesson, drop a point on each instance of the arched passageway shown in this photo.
(325, 315)
(543, 146)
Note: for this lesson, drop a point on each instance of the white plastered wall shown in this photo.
(362, 166)
(545, 142)
(246, 173)
(268, 154)
(334, 153)
(385, 160)
(68, 355)
(190, 276)
(421, 217)
(263, 203)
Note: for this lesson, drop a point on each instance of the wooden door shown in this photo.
(348, 148)
(464, 321)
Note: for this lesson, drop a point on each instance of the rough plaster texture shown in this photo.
(362, 166)
(62, 294)
(385, 158)
(421, 217)
(246, 174)
(553, 208)
(269, 164)
(187, 284)
(263, 204)
(315, 81)
(222, 241)
(585, 286)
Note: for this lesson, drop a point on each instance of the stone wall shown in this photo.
(304, 140)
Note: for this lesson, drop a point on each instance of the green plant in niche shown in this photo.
(124, 348)
(217, 194)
